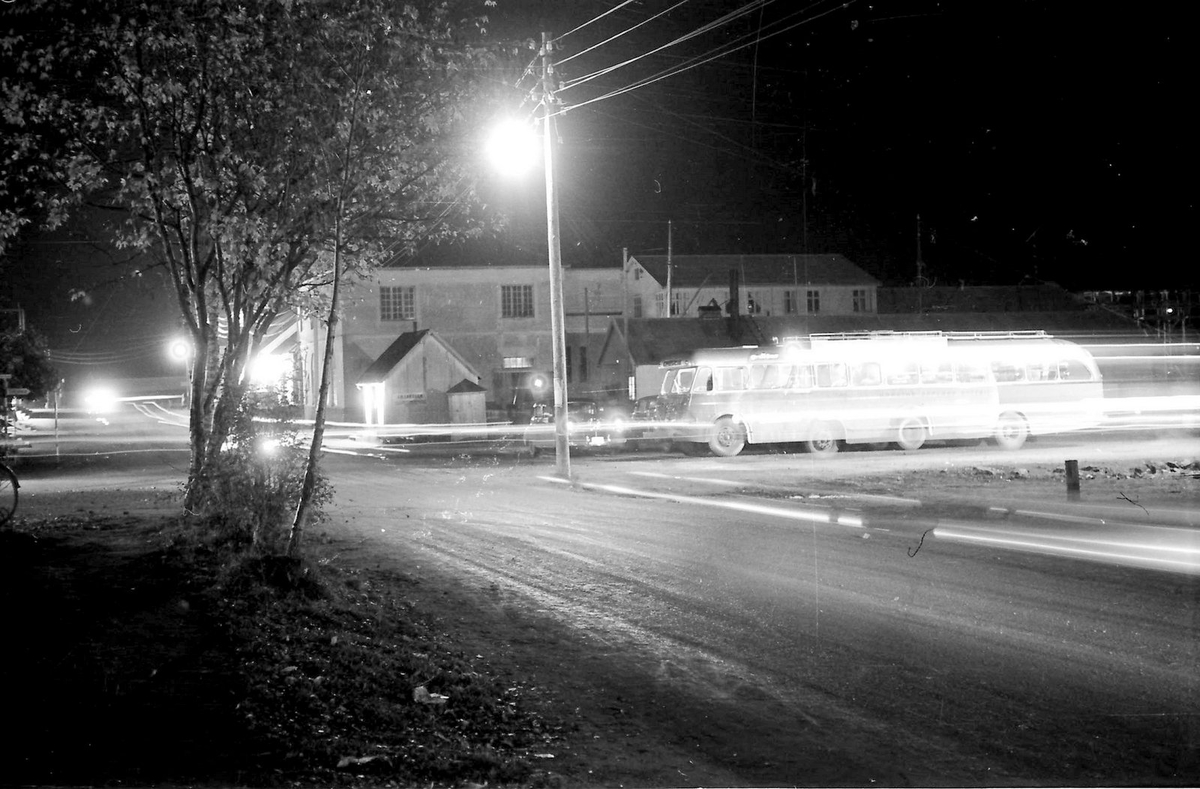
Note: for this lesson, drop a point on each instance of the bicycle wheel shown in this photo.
(8, 493)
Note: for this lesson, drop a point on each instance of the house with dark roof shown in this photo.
(754, 285)
(497, 319)
(420, 379)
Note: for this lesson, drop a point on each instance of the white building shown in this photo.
(497, 318)
(765, 285)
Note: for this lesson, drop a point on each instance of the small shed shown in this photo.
(411, 381)
(468, 403)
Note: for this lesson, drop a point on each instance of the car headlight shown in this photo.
(101, 400)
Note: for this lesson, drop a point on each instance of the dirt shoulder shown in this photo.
(134, 659)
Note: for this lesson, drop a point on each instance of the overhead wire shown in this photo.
(705, 28)
(612, 10)
(699, 60)
(462, 188)
(624, 32)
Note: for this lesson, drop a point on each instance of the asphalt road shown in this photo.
(913, 615)
(874, 602)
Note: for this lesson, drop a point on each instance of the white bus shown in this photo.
(1045, 385)
(871, 387)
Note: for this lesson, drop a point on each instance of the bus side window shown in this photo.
(901, 373)
(776, 373)
(1074, 370)
(831, 374)
(759, 374)
(728, 379)
(865, 374)
(937, 373)
(800, 377)
(683, 382)
(1007, 373)
(704, 380)
(970, 372)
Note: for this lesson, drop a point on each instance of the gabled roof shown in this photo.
(695, 271)
(465, 386)
(650, 340)
(401, 348)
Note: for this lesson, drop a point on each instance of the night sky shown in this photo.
(1034, 140)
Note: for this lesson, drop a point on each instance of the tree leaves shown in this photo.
(234, 132)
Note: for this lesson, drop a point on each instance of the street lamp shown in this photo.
(510, 145)
(180, 351)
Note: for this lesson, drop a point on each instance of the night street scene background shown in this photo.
(855, 441)
(997, 143)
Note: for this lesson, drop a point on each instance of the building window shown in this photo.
(637, 306)
(790, 304)
(583, 363)
(396, 303)
(814, 301)
(516, 362)
(860, 301)
(516, 301)
(570, 377)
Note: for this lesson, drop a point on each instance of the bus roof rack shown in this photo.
(881, 334)
(1018, 334)
(887, 334)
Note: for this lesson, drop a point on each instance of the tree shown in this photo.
(23, 355)
(263, 148)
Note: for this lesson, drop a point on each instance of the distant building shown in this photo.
(753, 285)
(496, 321)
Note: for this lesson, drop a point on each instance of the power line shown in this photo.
(614, 9)
(705, 28)
(700, 60)
(622, 33)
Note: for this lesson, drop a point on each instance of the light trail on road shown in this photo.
(1177, 550)
(850, 519)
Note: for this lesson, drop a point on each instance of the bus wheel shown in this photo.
(823, 441)
(728, 438)
(1012, 431)
(911, 433)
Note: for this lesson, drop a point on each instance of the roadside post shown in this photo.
(1072, 468)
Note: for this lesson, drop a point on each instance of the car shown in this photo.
(584, 428)
(642, 430)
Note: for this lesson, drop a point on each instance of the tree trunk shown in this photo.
(204, 385)
(304, 507)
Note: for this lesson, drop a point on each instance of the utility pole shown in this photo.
(920, 270)
(562, 447)
(670, 267)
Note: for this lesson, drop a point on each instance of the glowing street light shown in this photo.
(512, 148)
(180, 349)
